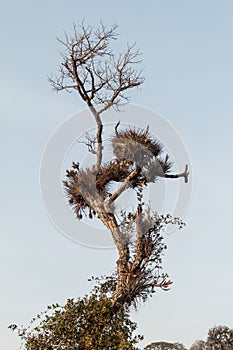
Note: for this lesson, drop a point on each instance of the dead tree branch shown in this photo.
(185, 175)
(90, 68)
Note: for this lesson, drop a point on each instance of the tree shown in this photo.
(165, 346)
(199, 345)
(85, 323)
(102, 79)
(220, 338)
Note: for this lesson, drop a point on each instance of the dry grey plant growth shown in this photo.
(219, 338)
(102, 79)
(198, 345)
(162, 345)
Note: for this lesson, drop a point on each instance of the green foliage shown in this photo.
(90, 323)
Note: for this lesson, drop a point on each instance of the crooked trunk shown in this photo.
(121, 243)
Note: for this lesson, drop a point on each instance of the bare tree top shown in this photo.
(89, 66)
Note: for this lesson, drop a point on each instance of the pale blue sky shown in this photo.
(188, 59)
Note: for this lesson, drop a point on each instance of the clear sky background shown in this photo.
(188, 57)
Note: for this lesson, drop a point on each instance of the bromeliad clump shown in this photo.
(138, 160)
